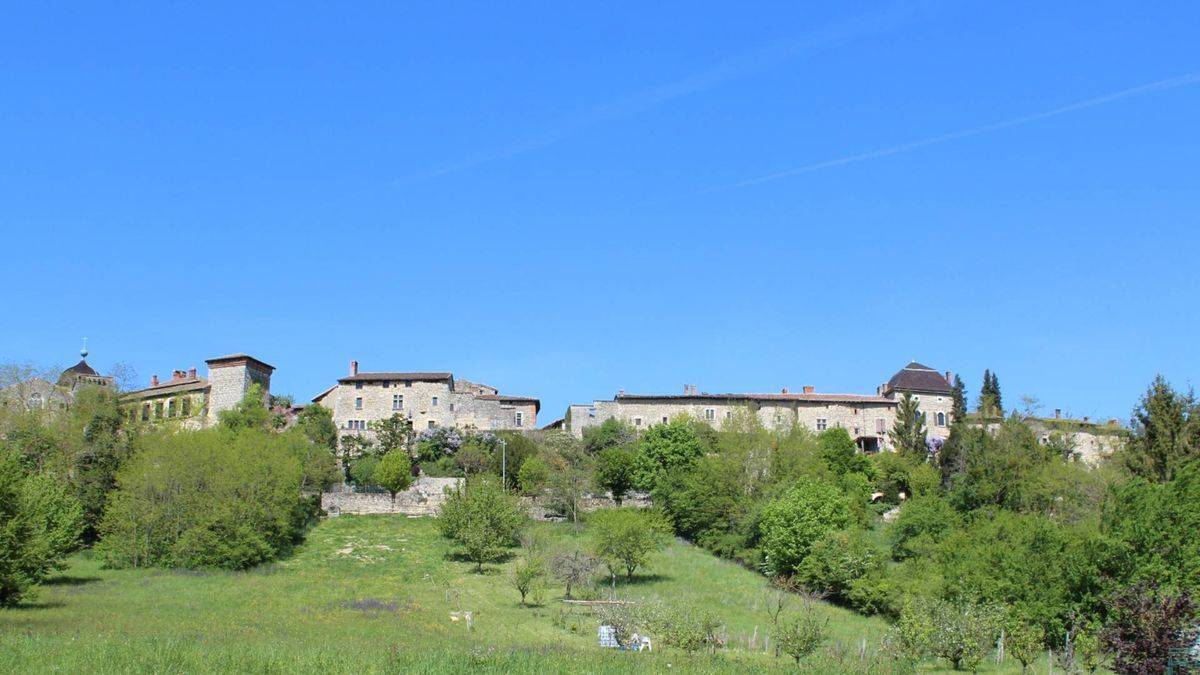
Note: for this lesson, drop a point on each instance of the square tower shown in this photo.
(230, 377)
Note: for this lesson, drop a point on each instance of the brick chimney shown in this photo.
(154, 380)
(784, 391)
(1058, 413)
(808, 389)
(192, 372)
(949, 378)
(353, 368)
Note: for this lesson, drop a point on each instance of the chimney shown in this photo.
(620, 392)
(1085, 419)
(192, 372)
(784, 390)
(949, 378)
(353, 368)
(153, 380)
(808, 389)
(687, 389)
(1058, 413)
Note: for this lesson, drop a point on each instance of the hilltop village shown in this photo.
(439, 399)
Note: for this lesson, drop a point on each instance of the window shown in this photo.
(637, 421)
(664, 419)
(941, 419)
(186, 407)
(358, 403)
(397, 401)
(432, 424)
(357, 425)
(451, 407)
(822, 424)
(520, 419)
(358, 385)
(171, 408)
(710, 414)
(132, 413)
(434, 401)
(408, 383)
(728, 414)
(880, 425)
(386, 384)
(146, 412)
(158, 410)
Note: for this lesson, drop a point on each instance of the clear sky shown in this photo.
(565, 200)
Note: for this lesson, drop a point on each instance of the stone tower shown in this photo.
(230, 377)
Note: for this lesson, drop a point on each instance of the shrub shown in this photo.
(614, 471)
(791, 524)
(213, 498)
(665, 448)
(625, 538)
(40, 523)
(611, 433)
(801, 636)
(362, 470)
(922, 523)
(1144, 623)
(690, 630)
(532, 475)
(840, 453)
(836, 561)
(482, 518)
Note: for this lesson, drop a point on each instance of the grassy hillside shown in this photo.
(374, 594)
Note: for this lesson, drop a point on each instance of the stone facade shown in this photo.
(429, 399)
(867, 418)
(1089, 442)
(423, 498)
(32, 392)
(194, 402)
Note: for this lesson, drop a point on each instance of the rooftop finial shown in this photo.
(84, 352)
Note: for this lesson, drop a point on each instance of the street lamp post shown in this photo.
(504, 463)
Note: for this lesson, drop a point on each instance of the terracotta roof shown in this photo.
(511, 399)
(918, 377)
(238, 357)
(322, 395)
(169, 387)
(810, 398)
(419, 377)
(81, 368)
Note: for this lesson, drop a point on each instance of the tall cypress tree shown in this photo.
(958, 412)
(999, 402)
(984, 405)
(908, 433)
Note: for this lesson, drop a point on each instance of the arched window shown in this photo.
(941, 419)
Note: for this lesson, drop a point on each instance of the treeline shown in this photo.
(228, 497)
(993, 533)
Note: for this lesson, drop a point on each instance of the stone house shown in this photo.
(429, 399)
(866, 417)
(194, 402)
(38, 393)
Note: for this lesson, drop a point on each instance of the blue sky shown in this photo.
(565, 200)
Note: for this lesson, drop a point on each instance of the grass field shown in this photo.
(374, 594)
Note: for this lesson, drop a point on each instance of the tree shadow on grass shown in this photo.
(69, 580)
(458, 556)
(32, 606)
(639, 579)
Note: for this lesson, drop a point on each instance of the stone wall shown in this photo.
(423, 498)
(424, 403)
(229, 382)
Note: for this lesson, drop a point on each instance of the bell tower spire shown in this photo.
(84, 352)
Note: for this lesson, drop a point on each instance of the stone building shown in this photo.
(429, 399)
(38, 393)
(866, 417)
(195, 402)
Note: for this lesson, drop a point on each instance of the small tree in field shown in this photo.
(624, 538)
(573, 568)
(614, 471)
(527, 575)
(1025, 643)
(483, 519)
(394, 472)
(801, 636)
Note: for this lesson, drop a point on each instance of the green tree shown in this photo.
(958, 394)
(574, 568)
(610, 434)
(249, 413)
(997, 396)
(961, 633)
(394, 472)
(482, 518)
(533, 475)
(625, 538)
(1157, 525)
(40, 523)
(615, 470)
(908, 432)
(1025, 642)
(665, 448)
(921, 525)
(1166, 432)
(392, 434)
(800, 637)
(362, 471)
(569, 474)
(836, 561)
(841, 454)
(791, 524)
(527, 575)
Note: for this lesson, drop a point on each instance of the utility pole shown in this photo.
(504, 463)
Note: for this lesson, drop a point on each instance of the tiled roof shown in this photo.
(81, 368)
(170, 387)
(419, 377)
(238, 357)
(918, 377)
(810, 398)
(511, 399)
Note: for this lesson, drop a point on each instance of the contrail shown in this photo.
(1161, 85)
(697, 82)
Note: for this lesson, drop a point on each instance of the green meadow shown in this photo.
(375, 594)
